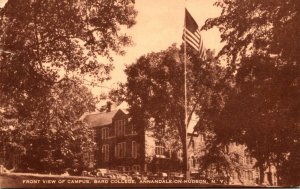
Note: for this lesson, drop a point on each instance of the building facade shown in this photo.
(118, 145)
(245, 172)
(125, 147)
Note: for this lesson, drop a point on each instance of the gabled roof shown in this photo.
(99, 119)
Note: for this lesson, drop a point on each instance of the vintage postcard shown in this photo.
(149, 93)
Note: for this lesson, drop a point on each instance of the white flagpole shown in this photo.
(185, 102)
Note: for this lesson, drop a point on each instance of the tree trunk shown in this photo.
(240, 177)
(143, 146)
(261, 173)
(270, 179)
(185, 155)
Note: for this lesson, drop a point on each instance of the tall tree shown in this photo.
(155, 91)
(45, 46)
(52, 139)
(262, 109)
(45, 41)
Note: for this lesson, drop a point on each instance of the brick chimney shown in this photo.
(108, 106)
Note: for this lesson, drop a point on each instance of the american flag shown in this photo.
(191, 34)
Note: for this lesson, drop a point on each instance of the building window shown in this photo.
(104, 133)
(120, 127)
(121, 168)
(120, 150)
(112, 132)
(105, 151)
(159, 148)
(201, 138)
(134, 149)
(235, 175)
(239, 158)
(136, 168)
(248, 159)
(133, 129)
(193, 161)
(250, 175)
(193, 144)
(94, 135)
(116, 151)
(168, 153)
(88, 157)
(127, 168)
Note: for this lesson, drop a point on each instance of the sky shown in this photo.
(2, 2)
(159, 25)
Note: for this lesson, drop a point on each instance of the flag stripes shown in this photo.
(191, 35)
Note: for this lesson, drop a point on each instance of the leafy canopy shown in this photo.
(154, 92)
(261, 49)
(44, 41)
(45, 47)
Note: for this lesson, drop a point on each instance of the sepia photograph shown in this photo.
(149, 93)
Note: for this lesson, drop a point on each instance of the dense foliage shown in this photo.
(262, 108)
(45, 46)
(51, 138)
(155, 92)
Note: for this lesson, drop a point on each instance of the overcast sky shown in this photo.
(160, 24)
(2, 2)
